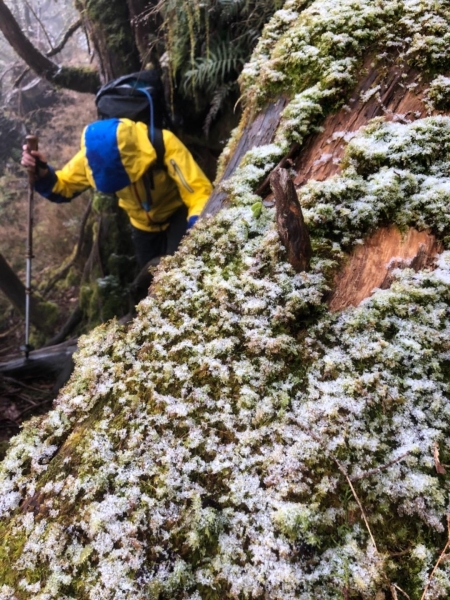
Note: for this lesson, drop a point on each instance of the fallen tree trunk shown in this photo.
(246, 436)
(43, 363)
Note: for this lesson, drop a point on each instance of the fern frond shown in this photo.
(224, 61)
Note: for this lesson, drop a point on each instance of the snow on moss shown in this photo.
(207, 451)
(222, 414)
(439, 92)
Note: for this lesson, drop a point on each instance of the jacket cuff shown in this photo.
(191, 221)
(44, 185)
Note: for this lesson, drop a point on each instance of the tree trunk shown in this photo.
(110, 31)
(14, 290)
(274, 422)
(144, 28)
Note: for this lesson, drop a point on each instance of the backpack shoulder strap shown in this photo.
(158, 145)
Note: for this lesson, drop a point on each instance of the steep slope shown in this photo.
(240, 439)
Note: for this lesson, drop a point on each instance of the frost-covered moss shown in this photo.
(201, 453)
(310, 43)
(313, 52)
(439, 92)
(207, 451)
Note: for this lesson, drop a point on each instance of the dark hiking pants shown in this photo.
(150, 244)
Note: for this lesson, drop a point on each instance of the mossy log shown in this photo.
(244, 436)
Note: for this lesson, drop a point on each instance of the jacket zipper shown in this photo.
(181, 176)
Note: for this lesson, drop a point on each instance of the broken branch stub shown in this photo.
(291, 226)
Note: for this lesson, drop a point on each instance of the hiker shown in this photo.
(163, 196)
(132, 152)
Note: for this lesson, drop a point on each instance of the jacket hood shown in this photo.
(118, 152)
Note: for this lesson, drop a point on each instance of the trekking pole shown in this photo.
(32, 144)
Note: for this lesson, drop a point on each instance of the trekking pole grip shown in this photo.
(32, 144)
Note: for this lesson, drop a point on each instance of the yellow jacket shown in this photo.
(115, 157)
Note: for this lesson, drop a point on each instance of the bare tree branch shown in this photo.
(72, 78)
(35, 15)
(66, 37)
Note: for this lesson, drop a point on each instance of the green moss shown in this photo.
(80, 79)
(115, 32)
(106, 293)
(206, 451)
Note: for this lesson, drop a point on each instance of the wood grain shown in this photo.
(370, 266)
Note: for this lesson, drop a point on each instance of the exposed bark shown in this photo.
(400, 98)
(291, 226)
(257, 132)
(77, 79)
(371, 266)
(322, 153)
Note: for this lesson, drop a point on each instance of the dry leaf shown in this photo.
(437, 463)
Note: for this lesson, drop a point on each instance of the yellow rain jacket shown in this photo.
(115, 157)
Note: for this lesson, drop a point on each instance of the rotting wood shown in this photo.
(396, 100)
(257, 133)
(291, 225)
(371, 265)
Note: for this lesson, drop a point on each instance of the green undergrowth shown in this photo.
(104, 292)
(237, 440)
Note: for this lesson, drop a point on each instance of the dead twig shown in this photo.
(37, 405)
(395, 587)
(44, 30)
(378, 469)
(430, 578)
(22, 385)
(437, 463)
(344, 472)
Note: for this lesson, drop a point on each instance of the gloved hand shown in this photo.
(191, 221)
